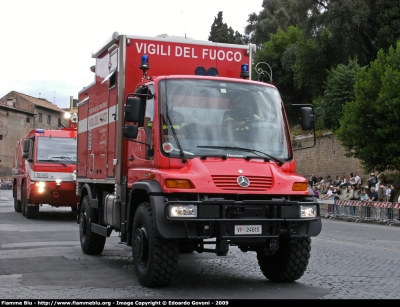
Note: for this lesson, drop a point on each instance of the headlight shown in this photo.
(41, 184)
(183, 211)
(308, 211)
(58, 182)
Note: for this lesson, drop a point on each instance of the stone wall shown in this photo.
(327, 158)
(13, 126)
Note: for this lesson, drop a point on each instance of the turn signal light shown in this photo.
(300, 186)
(178, 183)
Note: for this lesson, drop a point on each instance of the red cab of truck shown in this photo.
(165, 161)
(44, 170)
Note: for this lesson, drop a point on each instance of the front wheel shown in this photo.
(91, 243)
(289, 263)
(32, 212)
(155, 259)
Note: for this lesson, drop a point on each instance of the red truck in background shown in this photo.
(44, 170)
(172, 184)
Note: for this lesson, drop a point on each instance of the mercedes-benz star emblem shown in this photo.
(243, 181)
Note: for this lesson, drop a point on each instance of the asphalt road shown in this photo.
(42, 259)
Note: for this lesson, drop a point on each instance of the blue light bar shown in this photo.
(245, 71)
(200, 71)
(40, 130)
(212, 72)
(144, 65)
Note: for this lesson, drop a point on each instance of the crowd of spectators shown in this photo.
(352, 188)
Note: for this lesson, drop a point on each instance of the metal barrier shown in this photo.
(391, 221)
(328, 202)
(364, 209)
(351, 203)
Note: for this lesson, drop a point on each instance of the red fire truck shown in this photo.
(44, 170)
(161, 162)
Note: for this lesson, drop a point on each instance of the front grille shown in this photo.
(257, 183)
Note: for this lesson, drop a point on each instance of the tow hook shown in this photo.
(271, 247)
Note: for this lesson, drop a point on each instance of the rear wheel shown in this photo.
(289, 263)
(91, 243)
(155, 259)
(24, 200)
(17, 203)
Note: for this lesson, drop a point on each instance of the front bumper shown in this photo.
(220, 218)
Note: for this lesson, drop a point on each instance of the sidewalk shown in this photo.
(357, 217)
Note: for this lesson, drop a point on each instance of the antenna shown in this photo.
(184, 23)
(54, 98)
(39, 95)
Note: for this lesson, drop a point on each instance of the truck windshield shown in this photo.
(56, 149)
(211, 118)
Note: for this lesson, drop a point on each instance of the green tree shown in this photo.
(221, 33)
(339, 89)
(275, 14)
(387, 23)
(279, 54)
(313, 60)
(369, 128)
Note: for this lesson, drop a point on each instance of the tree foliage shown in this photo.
(315, 50)
(333, 31)
(221, 33)
(369, 127)
(339, 89)
(313, 59)
(276, 14)
(387, 23)
(280, 54)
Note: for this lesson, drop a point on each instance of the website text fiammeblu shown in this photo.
(140, 303)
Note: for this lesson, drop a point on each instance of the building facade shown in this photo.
(20, 113)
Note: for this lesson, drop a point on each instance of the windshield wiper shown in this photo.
(53, 161)
(176, 139)
(65, 158)
(186, 152)
(255, 151)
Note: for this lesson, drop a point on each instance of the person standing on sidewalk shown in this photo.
(363, 198)
(336, 196)
(315, 190)
(356, 197)
(382, 198)
(392, 195)
(329, 196)
(374, 197)
(349, 196)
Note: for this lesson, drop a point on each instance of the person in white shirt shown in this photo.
(329, 195)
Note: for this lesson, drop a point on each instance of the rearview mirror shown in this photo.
(307, 118)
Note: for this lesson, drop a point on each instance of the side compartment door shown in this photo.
(83, 140)
(112, 113)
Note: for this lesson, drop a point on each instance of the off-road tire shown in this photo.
(32, 212)
(24, 200)
(17, 203)
(91, 243)
(289, 263)
(155, 259)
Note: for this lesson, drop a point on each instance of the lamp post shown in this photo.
(260, 71)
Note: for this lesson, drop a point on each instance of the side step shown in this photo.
(101, 230)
